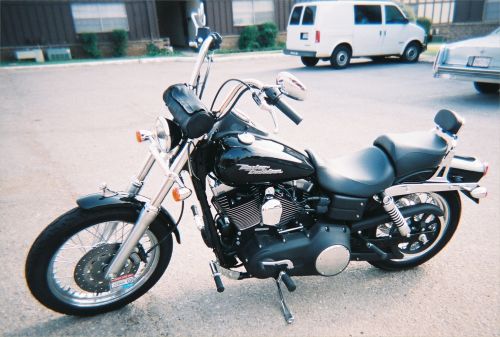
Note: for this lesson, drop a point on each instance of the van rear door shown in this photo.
(301, 34)
(368, 32)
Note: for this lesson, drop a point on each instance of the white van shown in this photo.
(339, 30)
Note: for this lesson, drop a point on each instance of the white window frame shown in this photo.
(101, 15)
(254, 21)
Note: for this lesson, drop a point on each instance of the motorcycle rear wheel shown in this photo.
(450, 204)
(66, 265)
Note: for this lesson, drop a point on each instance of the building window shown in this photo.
(367, 14)
(252, 12)
(492, 11)
(99, 17)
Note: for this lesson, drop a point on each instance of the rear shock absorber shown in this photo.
(396, 216)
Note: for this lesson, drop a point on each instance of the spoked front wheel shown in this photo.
(430, 233)
(66, 265)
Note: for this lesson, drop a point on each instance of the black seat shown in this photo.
(360, 174)
(413, 152)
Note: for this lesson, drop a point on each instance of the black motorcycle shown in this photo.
(274, 212)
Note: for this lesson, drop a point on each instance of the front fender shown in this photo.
(97, 200)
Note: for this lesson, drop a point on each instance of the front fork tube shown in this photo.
(133, 189)
(151, 209)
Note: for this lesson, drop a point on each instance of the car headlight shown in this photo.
(167, 134)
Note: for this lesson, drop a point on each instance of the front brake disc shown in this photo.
(90, 271)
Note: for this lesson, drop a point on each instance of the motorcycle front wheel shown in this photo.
(66, 265)
(437, 231)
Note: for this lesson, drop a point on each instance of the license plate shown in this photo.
(481, 62)
(304, 36)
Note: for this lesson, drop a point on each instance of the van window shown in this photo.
(393, 15)
(295, 17)
(309, 14)
(367, 14)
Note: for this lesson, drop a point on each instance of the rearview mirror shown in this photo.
(291, 86)
(198, 17)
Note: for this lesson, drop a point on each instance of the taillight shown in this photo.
(318, 36)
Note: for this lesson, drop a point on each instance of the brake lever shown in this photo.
(262, 104)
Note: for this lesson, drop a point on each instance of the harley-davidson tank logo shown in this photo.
(259, 169)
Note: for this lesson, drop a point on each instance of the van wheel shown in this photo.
(309, 61)
(341, 57)
(487, 88)
(411, 53)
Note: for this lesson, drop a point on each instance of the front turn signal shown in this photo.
(181, 193)
(142, 135)
(138, 137)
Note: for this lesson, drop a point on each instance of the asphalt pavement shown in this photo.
(65, 130)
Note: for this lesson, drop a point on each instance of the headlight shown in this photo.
(167, 134)
(162, 134)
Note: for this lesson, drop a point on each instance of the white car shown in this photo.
(476, 60)
(335, 31)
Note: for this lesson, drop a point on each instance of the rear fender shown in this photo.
(97, 200)
(467, 170)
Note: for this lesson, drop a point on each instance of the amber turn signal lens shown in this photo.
(138, 136)
(176, 194)
(181, 193)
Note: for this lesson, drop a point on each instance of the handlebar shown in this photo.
(288, 111)
(212, 41)
(273, 98)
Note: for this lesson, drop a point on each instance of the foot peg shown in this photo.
(287, 280)
(383, 255)
(216, 275)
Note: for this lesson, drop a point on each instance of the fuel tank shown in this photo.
(247, 158)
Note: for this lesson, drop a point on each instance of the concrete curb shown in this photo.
(217, 57)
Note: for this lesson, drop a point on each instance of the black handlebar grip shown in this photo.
(288, 111)
(288, 282)
(218, 283)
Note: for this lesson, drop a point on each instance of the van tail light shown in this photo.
(318, 36)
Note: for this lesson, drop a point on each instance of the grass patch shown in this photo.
(433, 49)
(279, 46)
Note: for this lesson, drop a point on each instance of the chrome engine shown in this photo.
(247, 207)
(269, 226)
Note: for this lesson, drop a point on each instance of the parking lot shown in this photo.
(65, 130)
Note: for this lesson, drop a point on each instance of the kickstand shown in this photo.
(286, 312)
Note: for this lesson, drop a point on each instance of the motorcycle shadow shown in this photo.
(250, 305)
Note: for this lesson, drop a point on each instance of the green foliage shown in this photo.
(258, 37)
(120, 42)
(248, 37)
(267, 34)
(89, 42)
(154, 50)
(425, 23)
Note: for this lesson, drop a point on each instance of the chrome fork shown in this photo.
(151, 208)
(133, 189)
